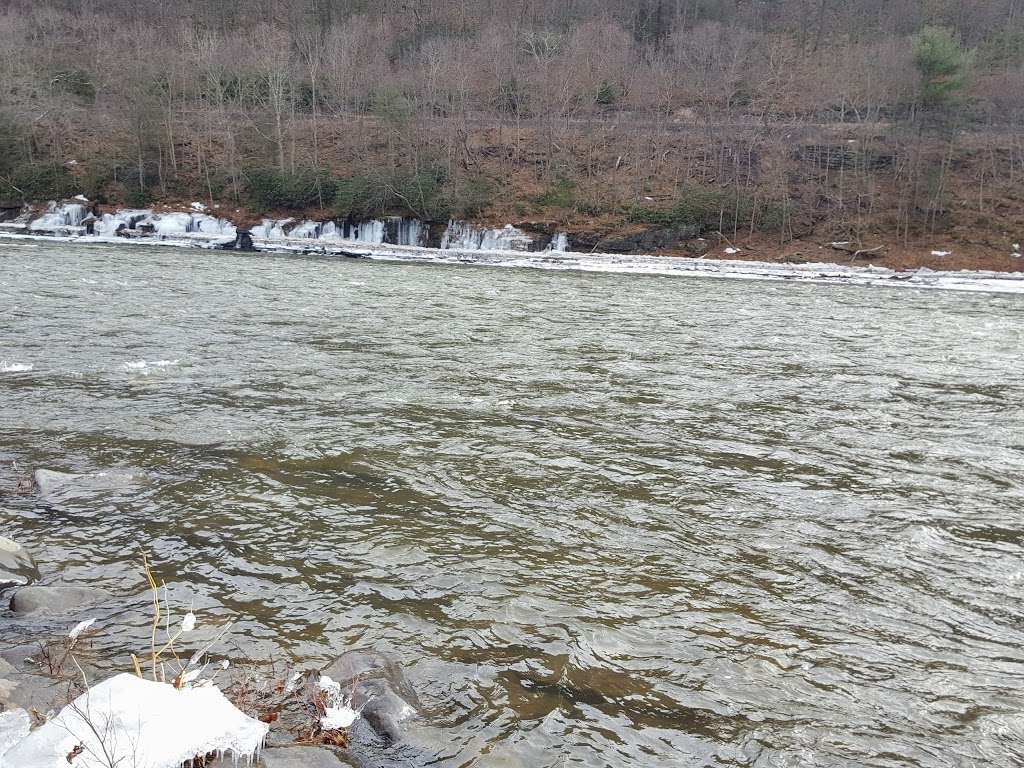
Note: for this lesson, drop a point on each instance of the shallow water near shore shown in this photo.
(603, 520)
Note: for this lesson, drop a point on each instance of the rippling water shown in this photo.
(604, 520)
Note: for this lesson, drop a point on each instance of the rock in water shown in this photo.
(51, 482)
(242, 242)
(377, 689)
(55, 599)
(17, 567)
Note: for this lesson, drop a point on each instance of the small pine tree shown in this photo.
(607, 94)
(942, 64)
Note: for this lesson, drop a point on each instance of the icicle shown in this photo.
(463, 236)
(559, 243)
(60, 216)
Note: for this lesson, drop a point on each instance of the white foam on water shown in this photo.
(144, 365)
(6, 367)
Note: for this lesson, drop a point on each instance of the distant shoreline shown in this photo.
(664, 266)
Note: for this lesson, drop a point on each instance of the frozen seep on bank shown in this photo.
(75, 218)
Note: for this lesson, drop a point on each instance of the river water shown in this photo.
(602, 520)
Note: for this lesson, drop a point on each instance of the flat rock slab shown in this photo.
(49, 481)
(290, 757)
(17, 567)
(55, 599)
(301, 757)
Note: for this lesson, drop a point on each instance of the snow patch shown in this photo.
(80, 628)
(129, 721)
(14, 726)
(338, 712)
(941, 253)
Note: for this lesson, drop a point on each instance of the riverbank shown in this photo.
(61, 696)
(728, 266)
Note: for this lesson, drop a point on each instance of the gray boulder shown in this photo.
(378, 690)
(17, 568)
(55, 599)
(29, 690)
(50, 482)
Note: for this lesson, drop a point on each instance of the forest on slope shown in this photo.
(633, 125)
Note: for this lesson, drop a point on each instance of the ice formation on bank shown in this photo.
(559, 243)
(167, 224)
(59, 217)
(108, 224)
(463, 236)
(129, 721)
(76, 218)
(337, 711)
(394, 230)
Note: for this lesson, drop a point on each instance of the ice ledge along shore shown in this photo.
(667, 266)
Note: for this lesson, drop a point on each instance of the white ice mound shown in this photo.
(128, 721)
(14, 726)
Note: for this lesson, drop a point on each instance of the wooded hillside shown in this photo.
(656, 119)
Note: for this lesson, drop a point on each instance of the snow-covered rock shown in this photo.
(129, 721)
(17, 567)
(14, 726)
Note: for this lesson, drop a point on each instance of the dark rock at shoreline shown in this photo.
(378, 689)
(17, 568)
(29, 690)
(55, 599)
(242, 242)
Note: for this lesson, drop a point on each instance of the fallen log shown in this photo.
(855, 252)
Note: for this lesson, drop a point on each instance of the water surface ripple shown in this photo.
(604, 520)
